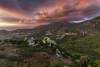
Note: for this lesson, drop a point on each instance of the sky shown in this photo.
(32, 13)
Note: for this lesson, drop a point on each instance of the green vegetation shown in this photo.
(98, 62)
(83, 51)
(61, 49)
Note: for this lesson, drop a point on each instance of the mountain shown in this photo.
(18, 52)
(97, 23)
(55, 27)
(88, 26)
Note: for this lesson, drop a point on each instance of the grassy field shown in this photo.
(77, 46)
(88, 45)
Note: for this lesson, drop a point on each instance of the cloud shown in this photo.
(40, 11)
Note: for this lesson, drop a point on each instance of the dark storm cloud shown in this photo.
(54, 9)
(22, 5)
(92, 10)
(30, 4)
(9, 5)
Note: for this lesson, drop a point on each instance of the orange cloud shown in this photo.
(36, 11)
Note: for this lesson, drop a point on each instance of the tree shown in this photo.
(84, 60)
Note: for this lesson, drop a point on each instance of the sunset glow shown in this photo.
(19, 13)
(3, 24)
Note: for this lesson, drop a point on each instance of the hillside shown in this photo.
(73, 41)
(61, 27)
